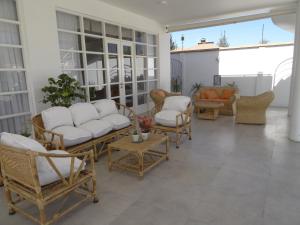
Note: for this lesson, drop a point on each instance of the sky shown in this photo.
(245, 33)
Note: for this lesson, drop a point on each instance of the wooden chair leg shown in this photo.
(94, 193)
(95, 153)
(41, 208)
(8, 197)
(190, 132)
(177, 139)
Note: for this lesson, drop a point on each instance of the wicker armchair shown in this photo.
(182, 126)
(252, 109)
(158, 96)
(22, 182)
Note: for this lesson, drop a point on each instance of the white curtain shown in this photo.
(67, 22)
(11, 81)
(8, 9)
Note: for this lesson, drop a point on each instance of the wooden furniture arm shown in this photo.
(51, 140)
(126, 111)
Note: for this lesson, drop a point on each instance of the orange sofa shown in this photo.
(226, 95)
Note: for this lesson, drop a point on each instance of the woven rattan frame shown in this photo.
(180, 130)
(98, 145)
(21, 182)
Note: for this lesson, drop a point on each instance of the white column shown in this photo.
(294, 107)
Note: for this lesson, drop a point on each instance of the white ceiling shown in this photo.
(178, 11)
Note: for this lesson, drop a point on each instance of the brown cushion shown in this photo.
(227, 93)
(211, 94)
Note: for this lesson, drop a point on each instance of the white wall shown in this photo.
(243, 66)
(41, 39)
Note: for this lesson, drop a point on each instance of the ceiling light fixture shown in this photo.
(163, 2)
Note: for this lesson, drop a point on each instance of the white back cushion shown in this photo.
(21, 142)
(48, 175)
(106, 107)
(177, 103)
(83, 112)
(57, 116)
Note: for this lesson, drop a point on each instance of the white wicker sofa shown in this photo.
(83, 126)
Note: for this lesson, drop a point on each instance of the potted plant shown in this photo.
(196, 87)
(62, 91)
(232, 85)
(145, 123)
(135, 136)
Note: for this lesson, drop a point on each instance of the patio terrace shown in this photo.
(228, 174)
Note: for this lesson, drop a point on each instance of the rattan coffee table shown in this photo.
(138, 157)
(210, 109)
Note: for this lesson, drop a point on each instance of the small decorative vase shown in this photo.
(135, 138)
(145, 136)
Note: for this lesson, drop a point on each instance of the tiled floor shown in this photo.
(227, 175)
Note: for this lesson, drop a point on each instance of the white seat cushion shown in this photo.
(83, 112)
(51, 119)
(168, 118)
(97, 128)
(117, 121)
(48, 175)
(177, 103)
(21, 142)
(106, 107)
(73, 135)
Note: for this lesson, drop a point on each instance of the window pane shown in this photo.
(140, 62)
(152, 39)
(95, 61)
(142, 87)
(141, 74)
(8, 10)
(9, 34)
(112, 48)
(11, 58)
(142, 99)
(127, 50)
(129, 101)
(67, 21)
(127, 34)
(128, 89)
(111, 30)
(69, 41)
(92, 26)
(71, 60)
(141, 50)
(152, 63)
(17, 125)
(13, 104)
(152, 85)
(97, 93)
(115, 91)
(96, 77)
(113, 62)
(151, 51)
(128, 75)
(140, 37)
(12, 81)
(114, 76)
(152, 74)
(94, 44)
(77, 75)
(127, 62)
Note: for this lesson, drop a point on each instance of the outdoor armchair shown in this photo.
(32, 174)
(252, 109)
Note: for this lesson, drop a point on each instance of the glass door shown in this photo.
(114, 71)
(127, 73)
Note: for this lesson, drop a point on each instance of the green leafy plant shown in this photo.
(196, 86)
(62, 91)
(233, 85)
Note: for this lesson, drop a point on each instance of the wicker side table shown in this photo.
(210, 109)
(138, 157)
